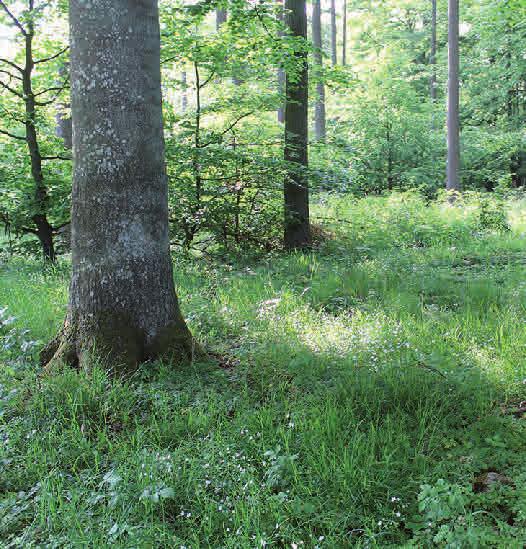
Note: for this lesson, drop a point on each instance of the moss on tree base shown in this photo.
(115, 340)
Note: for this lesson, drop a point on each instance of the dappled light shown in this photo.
(262, 274)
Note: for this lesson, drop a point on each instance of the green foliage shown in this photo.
(453, 516)
(349, 382)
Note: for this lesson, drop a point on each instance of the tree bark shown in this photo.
(221, 17)
(44, 230)
(319, 106)
(453, 124)
(281, 71)
(334, 35)
(344, 34)
(296, 191)
(64, 127)
(123, 306)
(433, 55)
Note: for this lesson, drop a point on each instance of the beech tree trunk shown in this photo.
(123, 305)
(334, 35)
(296, 191)
(453, 124)
(319, 106)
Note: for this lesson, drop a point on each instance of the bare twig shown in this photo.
(11, 64)
(230, 127)
(12, 90)
(13, 18)
(10, 74)
(46, 59)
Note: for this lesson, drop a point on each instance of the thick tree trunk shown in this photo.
(297, 227)
(334, 35)
(319, 106)
(453, 124)
(123, 305)
(433, 55)
(344, 34)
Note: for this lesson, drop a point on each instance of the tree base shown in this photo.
(118, 344)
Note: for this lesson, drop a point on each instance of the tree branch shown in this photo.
(13, 91)
(10, 74)
(13, 18)
(11, 64)
(58, 157)
(230, 127)
(59, 90)
(46, 59)
(61, 226)
(12, 135)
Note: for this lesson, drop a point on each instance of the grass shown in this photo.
(363, 390)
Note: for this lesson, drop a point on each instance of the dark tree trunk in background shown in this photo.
(344, 35)
(123, 305)
(453, 124)
(334, 35)
(64, 127)
(297, 227)
(221, 16)
(433, 55)
(281, 71)
(319, 106)
(44, 230)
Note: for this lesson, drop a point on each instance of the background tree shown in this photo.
(334, 34)
(122, 298)
(453, 89)
(297, 225)
(344, 34)
(26, 108)
(319, 105)
(433, 54)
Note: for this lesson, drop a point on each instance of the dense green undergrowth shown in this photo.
(361, 393)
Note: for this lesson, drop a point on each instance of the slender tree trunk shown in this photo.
(296, 191)
(433, 55)
(64, 127)
(44, 230)
(184, 93)
(344, 35)
(221, 17)
(281, 71)
(123, 305)
(334, 35)
(453, 124)
(319, 106)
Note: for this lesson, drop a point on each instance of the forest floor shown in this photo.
(367, 395)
